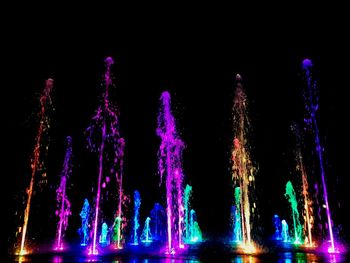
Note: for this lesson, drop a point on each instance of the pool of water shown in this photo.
(207, 252)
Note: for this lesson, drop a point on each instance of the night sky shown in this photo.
(196, 62)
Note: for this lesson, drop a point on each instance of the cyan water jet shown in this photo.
(84, 229)
(187, 196)
(146, 236)
(192, 232)
(103, 236)
(285, 231)
(195, 231)
(290, 195)
(236, 216)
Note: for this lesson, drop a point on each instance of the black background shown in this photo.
(194, 55)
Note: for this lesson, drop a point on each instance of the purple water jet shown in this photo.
(170, 166)
(62, 200)
(311, 104)
(104, 138)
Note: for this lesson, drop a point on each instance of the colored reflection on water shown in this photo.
(278, 257)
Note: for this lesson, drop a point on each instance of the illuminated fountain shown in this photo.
(84, 229)
(290, 195)
(308, 211)
(158, 222)
(170, 166)
(278, 228)
(311, 104)
(103, 236)
(36, 162)
(195, 231)
(187, 196)
(104, 137)
(146, 236)
(242, 167)
(117, 225)
(63, 203)
(137, 204)
(285, 231)
(236, 216)
(192, 232)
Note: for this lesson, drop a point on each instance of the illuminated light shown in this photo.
(308, 245)
(23, 252)
(333, 250)
(248, 248)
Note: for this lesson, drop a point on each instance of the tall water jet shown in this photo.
(137, 204)
(146, 236)
(170, 165)
(62, 200)
(308, 211)
(84, 229)
(104, 137)
(36, 163)
(311, 104)
(242, 167)
(290, 195)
